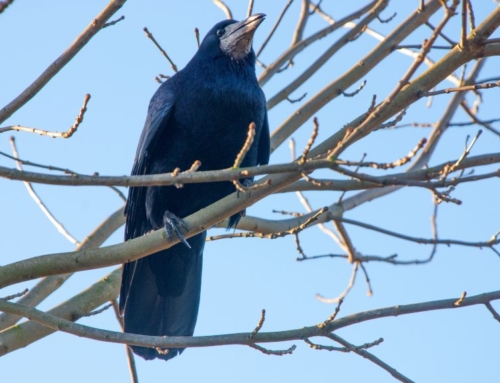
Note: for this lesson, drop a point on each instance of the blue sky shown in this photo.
(241, 277)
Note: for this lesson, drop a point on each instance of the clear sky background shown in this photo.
(241, 277)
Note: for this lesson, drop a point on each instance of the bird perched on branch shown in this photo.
(201, 114)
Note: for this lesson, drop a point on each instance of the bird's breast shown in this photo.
(219, 116)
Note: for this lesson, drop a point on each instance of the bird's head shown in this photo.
(232, 38)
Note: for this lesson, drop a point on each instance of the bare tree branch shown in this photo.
(224, 8)
(58, 225)
(41, 132)
(234, 174)
(89, 32)
(52, 323)
(49, 284)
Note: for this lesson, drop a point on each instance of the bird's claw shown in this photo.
(246, 183)
(172, 225)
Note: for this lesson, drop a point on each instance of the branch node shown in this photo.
(259, 325)
(332, 317)
(460, 300)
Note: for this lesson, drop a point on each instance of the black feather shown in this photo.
(201, 113)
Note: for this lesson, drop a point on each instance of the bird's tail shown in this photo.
(160, 295)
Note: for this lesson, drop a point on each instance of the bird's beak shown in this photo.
(237, 41)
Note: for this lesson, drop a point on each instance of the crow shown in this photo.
(202, 113)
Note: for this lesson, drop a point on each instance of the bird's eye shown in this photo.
(220, 32)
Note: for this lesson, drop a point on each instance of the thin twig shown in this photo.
(58, 225)
(489, 79)
(246, 146)
(388, 20)
(14, 296)
(301, 23)
(369, 293)
(197, 36)
(346, 240)
(310, 143)
(344, 293)
(291, 52)
(275, 26)
(292, 213)
(476, 120)
(260, 324)
(364, 127)
(224, 8)
(99, 311)
(108, 24)
(332, 317)
(422, 241)
(492, 311)
(250, 8)
(419, 46)
(460, 300)
(434, 232)
(294, 100)
(463, 34)
(134, 377)
(352, 94)
(56, 168)
(305, 202)
(241, 156)
(266, 351)
(315, 7)
(341, 197)
(464, 155)
(387, 165)
(371, 357)
(70, 52)
(299, 248)
(472, 21)
(441, 34)
(66, 134)
(365, 346)
(488, 85)
(151, 37)
(320, 61)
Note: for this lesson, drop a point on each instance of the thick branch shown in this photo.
(55, 323)
(21, 335)
(49, 284)
(335, 88)
(139, 247)
(334, 48)
(89, 32)
(223, 175)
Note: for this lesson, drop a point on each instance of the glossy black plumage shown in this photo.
(201, 113)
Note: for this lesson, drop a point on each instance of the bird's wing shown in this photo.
(159, 111)
(137, 224)
(264, 149)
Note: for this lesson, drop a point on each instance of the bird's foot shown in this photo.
(246, 184)
(173, 225)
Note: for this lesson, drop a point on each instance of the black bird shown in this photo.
(202, 113)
